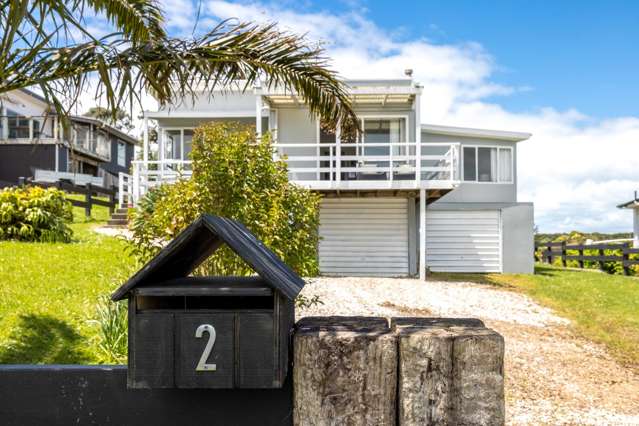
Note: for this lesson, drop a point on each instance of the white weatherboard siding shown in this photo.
(364, 236)
(463, 240)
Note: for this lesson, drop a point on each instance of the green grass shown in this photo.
(49, 291)
(604, 308)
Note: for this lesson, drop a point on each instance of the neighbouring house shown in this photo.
(34, 145)
(401, 198)
(634, 206)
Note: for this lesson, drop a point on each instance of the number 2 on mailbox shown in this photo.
(202, 365)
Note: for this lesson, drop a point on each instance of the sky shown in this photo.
(564, 71)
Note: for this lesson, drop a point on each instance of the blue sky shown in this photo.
(565, 71)
(567, 54)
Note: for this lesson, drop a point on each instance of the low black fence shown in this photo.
(583, 254)
(92, 195)
(97, 395)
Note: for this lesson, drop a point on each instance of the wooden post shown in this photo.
(111, 202)
(450, 372)
(345, 371)
(625, 256)
(548, 255)
(581, 254)
(88, 200)
(600, 252)
(563, 254)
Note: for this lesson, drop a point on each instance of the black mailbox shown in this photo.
(210, 332)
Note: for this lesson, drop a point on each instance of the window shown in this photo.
(18, 125)
(121, 154)
(383, 130)
(487, 164)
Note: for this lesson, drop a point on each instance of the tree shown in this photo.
(46, 44)
(119, 119)
(234, 176)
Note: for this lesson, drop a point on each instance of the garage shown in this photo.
(364, 236)
(463, 240)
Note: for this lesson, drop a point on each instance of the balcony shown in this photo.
(372, 166)
(84, 138)
(333, 167)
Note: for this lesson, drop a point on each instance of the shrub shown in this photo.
(32, 213)
(234, 176)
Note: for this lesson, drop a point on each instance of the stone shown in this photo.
(345, 371)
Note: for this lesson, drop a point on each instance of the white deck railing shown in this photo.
(362, 166)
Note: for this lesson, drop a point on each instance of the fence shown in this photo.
(548, 252)
(87, 190)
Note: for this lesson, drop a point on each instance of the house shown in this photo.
(634, 206)
(383, 212)
(34, 145)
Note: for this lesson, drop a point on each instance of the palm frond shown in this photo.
(141, 57)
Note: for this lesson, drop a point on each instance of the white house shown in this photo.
(404, 197)
(634, 206)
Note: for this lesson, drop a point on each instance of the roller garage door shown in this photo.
(463, 240)
(364, 236)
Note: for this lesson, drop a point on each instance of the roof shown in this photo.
(632, 204)
(477, 133)
(199, 241)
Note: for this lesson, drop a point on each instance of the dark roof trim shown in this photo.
(198, 241)
(630, 204)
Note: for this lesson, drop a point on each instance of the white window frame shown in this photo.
(498, 181)
(123, 145)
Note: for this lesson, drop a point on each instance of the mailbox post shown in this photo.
(210, 332)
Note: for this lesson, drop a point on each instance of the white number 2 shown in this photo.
(202, 365)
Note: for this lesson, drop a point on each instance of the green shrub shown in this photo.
(32, 213)
(234, 176)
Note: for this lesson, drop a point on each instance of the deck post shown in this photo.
(635, 227)
(258, 114)
(418, 141)
(422, 234)
(145, 147)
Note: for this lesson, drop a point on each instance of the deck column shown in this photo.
(145, 146)
(635, 227)
(422, 234)
(258, 115)
(418, 140)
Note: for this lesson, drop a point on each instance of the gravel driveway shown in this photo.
(553, 376)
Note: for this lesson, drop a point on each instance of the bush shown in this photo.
(234, 176)
(35, 214)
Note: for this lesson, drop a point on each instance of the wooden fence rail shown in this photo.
(548, 252)
(90, 192)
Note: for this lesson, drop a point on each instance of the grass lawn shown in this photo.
(48, 293)
(603, 307)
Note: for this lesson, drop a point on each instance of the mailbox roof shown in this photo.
(198, 241)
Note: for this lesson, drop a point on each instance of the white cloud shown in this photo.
(575, 168)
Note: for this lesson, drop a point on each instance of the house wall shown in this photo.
(478, 192)
(112, 166)
(18, 160)
(517, 237)
(518, 240)
(217, 101)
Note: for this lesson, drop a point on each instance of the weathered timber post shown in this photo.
(581, 255)
(345, 371)
(564, 253)
(88, 200)
(450, 372)
(625, 257)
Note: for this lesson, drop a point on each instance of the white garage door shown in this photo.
(463, 241)
(364, 236)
